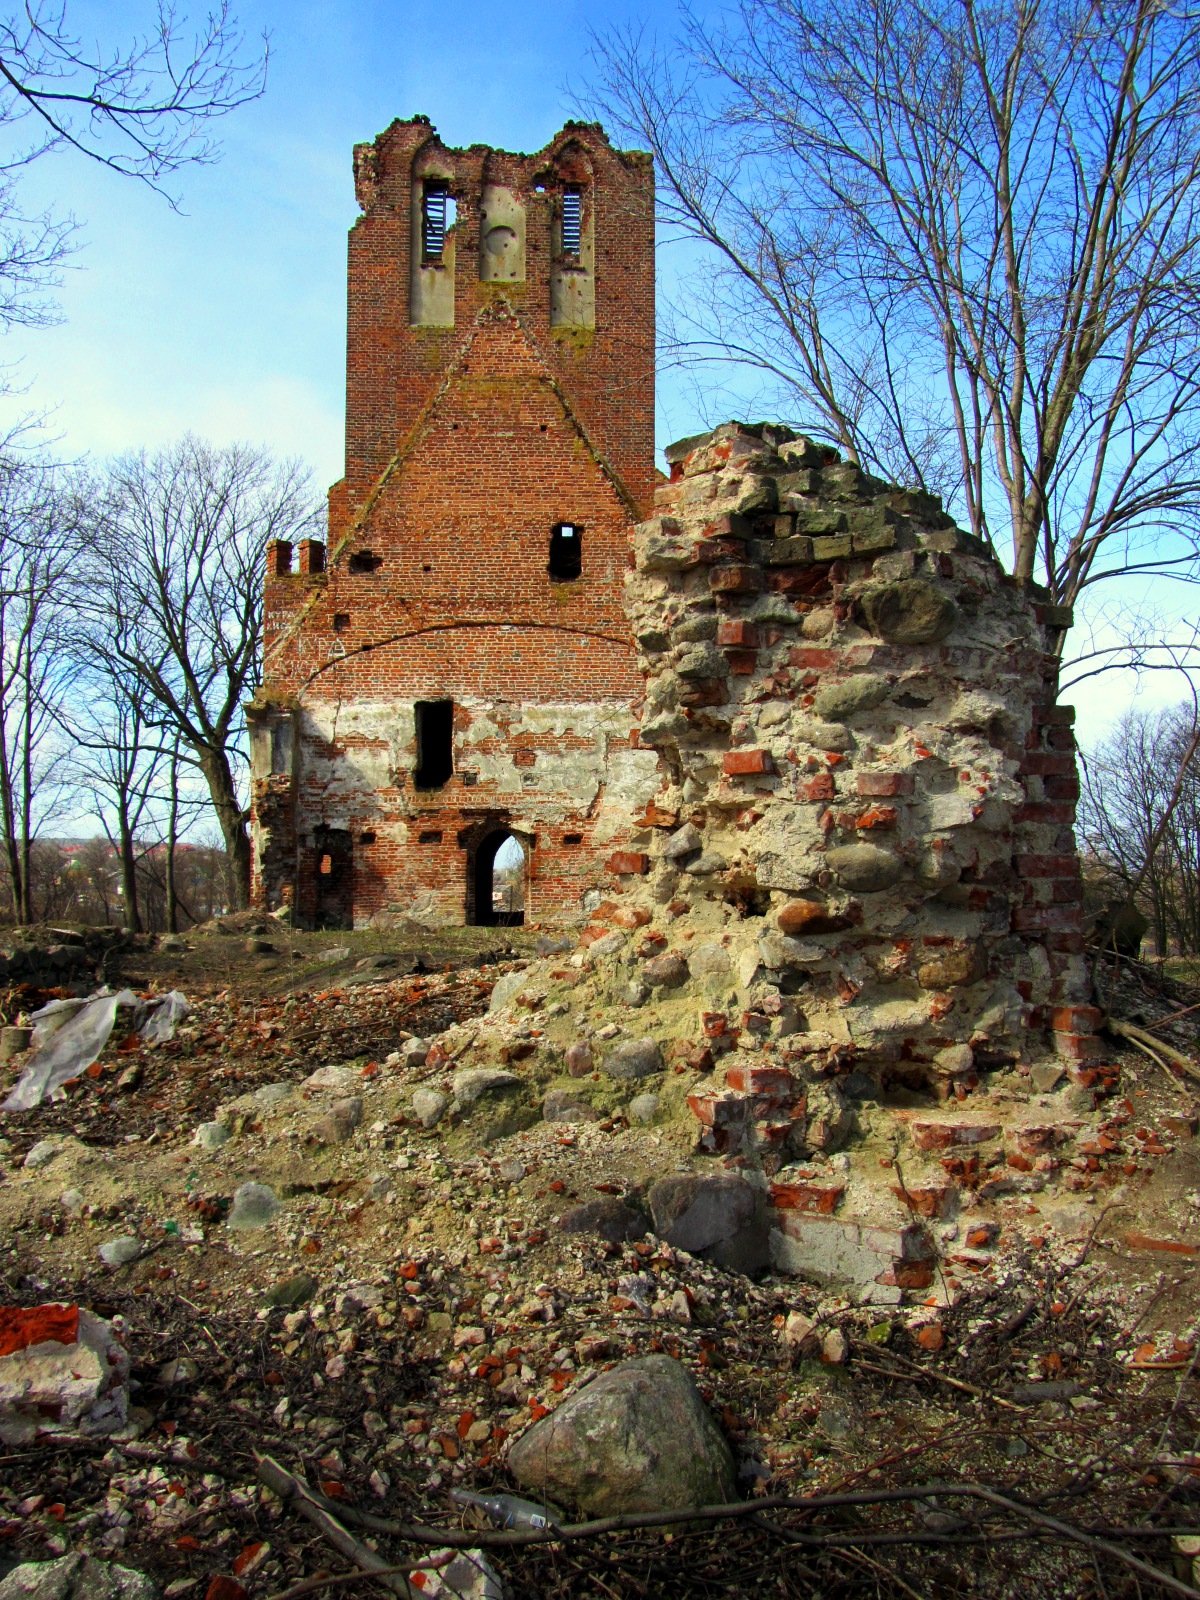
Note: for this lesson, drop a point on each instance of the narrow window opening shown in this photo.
(435, 743)
(341, 621)
(566, 551)
(438, 215)
(364, 561)
(572, 838)
(572, 219)
(430, 836)
(367, 838)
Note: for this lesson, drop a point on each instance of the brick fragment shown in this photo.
(627, 863)
(746, 763)
(737, 632)
(883, 785)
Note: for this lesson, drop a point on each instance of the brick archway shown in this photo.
(483, 906)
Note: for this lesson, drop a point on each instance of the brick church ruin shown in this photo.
(454, 669)
(795, 711)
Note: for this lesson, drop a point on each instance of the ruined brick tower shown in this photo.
(456, 668)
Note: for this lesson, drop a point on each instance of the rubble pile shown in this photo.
(392, 1301)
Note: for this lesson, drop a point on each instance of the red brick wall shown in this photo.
(465, 446)
(393, 369)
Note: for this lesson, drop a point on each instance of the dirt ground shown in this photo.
(415, 1304)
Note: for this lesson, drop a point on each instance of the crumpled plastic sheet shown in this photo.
(69, 1035)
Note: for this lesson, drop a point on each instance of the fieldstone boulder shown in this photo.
(472, 1083)
(76, 1577)
(340, 1121)
(634, 1058)
(841, 700)
(566, 1105)
(611, 1218)
(638, 1438)
(429, 1106)
(909, 611)
(667, 971)
(864, 867)
(255, 1205)
(578, 1058)
(683, 842)
(507, 987)
(692, 1211)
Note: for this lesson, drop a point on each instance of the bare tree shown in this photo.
(142, 109)
(174, 588)
(36, 586)
(117, 755)
(961, 242)
(1139, 819)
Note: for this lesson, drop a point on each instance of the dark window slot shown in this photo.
(364, 561)
(435, 743)
(566, 551)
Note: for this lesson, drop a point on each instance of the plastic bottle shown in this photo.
(508, 1510)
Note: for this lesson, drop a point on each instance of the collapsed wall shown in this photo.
(847, 936)
(855, 713)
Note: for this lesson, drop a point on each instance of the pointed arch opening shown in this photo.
(497, 879)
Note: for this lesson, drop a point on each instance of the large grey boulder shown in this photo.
(638, 1438)
(76, 1577)
(635, 1058)
(711, 1215)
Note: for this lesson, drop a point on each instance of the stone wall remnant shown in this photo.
(845, 932)
(856, 717)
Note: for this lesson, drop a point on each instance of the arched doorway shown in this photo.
(496, 887)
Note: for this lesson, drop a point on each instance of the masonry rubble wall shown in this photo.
(856, 715)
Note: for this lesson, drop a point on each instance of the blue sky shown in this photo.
(228, 317)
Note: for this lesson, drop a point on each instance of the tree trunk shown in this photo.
(172, 912)
(129, 891)
(214, 764)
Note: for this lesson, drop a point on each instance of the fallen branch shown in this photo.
(289, 1488)
(292, 1492)
(1157, 1049)
(916, 1371)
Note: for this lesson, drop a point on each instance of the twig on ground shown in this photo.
(290, 1489)
(292, 1492)
(916, 1370)
(1154, 1047)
